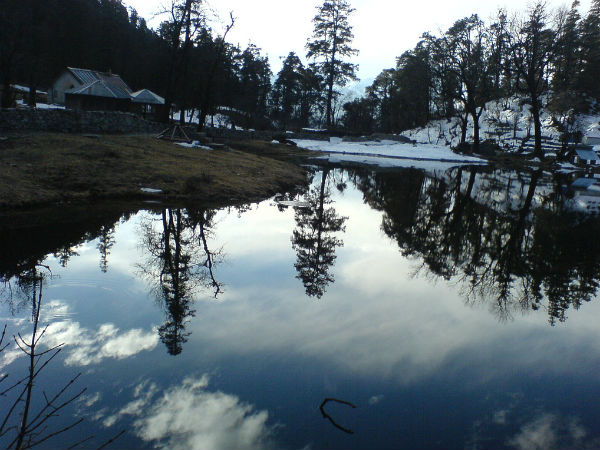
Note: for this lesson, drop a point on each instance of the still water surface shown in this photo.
(452, 309)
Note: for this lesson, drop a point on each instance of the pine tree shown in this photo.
(255, 86)
(590, 51)
(382, 93)
(330, 46)
(566, 60)
(287, 90)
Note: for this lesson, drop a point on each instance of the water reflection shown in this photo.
(315, 237)
(28, 238)
(507, 237)
(29, 418)
(180, 265)
(422, 370)
(188, 415)
(106, 240)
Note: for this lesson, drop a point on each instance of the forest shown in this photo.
(549, 58)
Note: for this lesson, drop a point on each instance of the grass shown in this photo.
(42, 168)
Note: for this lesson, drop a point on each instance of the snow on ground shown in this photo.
(217, 121)
(430, 166)
(40, 105)
(389, 153)
(507, 121)
(195, 144)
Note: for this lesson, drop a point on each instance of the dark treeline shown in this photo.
(551, 59)
(185, 59)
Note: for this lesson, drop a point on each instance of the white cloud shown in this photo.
(499, 417)
(187, 416)
(83, 346)
(547, 432)
(375, 399)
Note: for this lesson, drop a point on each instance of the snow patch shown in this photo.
(195, 144)
(388, 153)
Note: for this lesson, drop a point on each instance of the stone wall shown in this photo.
(69, 121)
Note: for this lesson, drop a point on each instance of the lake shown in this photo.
(402, 308)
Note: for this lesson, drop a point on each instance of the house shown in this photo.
(93, 90)
(90, 89)
(585, 156)
(147, 102)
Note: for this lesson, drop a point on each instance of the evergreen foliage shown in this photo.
(550, 58)
(330, 46)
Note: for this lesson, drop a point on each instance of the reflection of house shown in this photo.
(592, 136)
(92, 90)
(586, 195)
(585, 156)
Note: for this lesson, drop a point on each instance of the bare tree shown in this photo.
(185, 18)
(28, 426)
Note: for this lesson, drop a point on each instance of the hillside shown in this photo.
(509, 123)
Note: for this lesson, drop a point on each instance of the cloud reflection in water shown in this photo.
(188, 416)
(85, 346)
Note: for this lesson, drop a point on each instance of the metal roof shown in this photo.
(85, 76)
(99, 88)
(113, 82)
(148, 97)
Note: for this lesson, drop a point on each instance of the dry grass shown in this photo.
(43, 168)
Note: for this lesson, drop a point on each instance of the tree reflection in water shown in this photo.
(314, 238)
(27, 422)
(180, 265)
(507, 236)
(106, 240)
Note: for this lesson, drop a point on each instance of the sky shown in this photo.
(383, 29)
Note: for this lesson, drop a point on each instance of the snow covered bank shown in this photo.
(508, 122)
(388, 153)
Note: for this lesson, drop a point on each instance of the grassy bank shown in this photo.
(44, 168)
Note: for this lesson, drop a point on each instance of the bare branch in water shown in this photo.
(331, 419)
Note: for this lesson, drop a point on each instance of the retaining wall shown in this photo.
(70, 121)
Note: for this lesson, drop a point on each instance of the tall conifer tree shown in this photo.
(330, 45)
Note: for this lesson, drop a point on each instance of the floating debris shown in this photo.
(151, 191)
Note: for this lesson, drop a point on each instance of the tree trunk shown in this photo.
(537, 126)
(329, 101)
(464, 121)
(475, 117)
